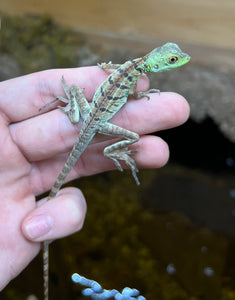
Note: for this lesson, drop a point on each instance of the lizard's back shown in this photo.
(113, 93)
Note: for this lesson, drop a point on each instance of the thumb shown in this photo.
(59, 217)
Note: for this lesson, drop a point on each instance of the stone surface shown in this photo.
(210, 92)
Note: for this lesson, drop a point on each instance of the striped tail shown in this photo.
(72, 159)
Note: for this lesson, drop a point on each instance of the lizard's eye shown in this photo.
(173, 59)
(156, 67)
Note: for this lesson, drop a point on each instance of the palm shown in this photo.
(17, 200)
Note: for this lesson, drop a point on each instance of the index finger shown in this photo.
(22, 97)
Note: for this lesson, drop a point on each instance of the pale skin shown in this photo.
(34, 148)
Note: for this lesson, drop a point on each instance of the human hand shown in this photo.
(34, 148)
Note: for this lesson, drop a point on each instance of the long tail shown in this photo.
(46, 269)
(72, 159)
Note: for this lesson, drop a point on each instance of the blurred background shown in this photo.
(172, 237)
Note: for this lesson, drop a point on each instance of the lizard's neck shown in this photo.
(139, 64)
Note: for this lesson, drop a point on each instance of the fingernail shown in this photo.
(38, 226)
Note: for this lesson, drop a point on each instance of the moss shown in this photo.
(38, 43)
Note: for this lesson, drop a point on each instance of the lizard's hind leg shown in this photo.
(76, 103)
(119, 150)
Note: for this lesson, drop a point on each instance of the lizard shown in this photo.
(108, 99)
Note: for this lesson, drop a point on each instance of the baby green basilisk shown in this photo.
(110, 96)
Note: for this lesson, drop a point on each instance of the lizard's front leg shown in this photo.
(141, 94)
(108, 66)
(119, 150)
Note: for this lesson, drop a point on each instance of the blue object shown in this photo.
(96, 292)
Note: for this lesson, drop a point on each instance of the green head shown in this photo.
(166, 57)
